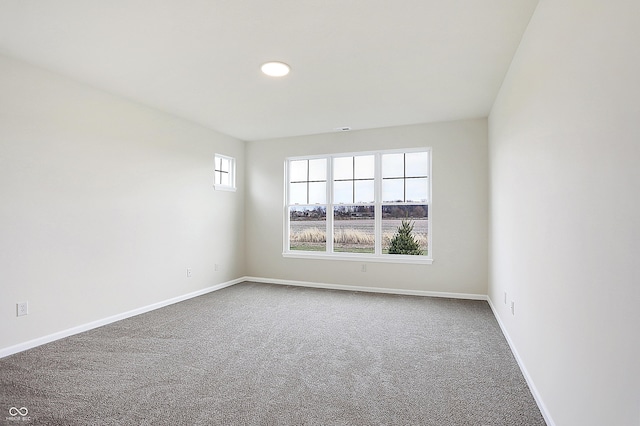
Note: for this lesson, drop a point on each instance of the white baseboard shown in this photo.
(525, 373)
(368, 289)
(99, 323)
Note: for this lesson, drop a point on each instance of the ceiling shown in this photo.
(357, 63)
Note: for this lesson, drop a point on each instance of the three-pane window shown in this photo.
(370, 204)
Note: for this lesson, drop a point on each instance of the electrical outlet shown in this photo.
(216, 267)
(188, 272)
(22, 308)
(513, 308)
(364, 267)
(505, 297)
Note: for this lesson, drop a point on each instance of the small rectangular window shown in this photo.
(224, 173)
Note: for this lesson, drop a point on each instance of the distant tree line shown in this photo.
(361, 212)
(403, 212)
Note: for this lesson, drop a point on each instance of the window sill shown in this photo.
(224, 188)
(416, 260)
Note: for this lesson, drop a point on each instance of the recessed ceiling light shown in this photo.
(275, 69)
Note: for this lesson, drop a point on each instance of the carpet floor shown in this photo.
(260, 354)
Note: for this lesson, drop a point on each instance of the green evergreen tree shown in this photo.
(403, 242)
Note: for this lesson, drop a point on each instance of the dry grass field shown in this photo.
(350, 235)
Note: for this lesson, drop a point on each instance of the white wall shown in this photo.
(458, 212)
(104, 203)
(565, 209)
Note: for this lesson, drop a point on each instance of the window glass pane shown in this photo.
(318, 169)
(343, 192)
(392, 190)
(298, 193)
(364, 191)
(393, 165)
(317, 192)
(396, 239)
(343, 168)
(354, 229)
(224, 179)
(307, 228)
(298, 171)
(364, 167)
(417, 190)
(417, 164)
(224, 164)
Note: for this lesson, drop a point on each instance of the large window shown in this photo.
(366, 205)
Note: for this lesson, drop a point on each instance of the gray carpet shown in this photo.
(258, 354)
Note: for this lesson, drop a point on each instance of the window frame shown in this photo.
(232, 173)
(377, 256)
